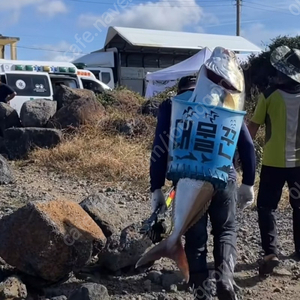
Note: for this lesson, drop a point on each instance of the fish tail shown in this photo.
(168, 249)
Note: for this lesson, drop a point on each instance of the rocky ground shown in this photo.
(162, 282)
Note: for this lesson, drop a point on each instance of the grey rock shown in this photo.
(168, 280)
(104, 212)
(150, 107)
(8, 117)
(155, 277)
(6, 174)
(6, 271)
(173, 288)
(18, 142)
(90, 291)
(177, 298)
(49, 239)
(125, 250)
(124, 127)
(277, 290)
(130, 127)
(37, 112)
(59, 298)
(76, 107)
(64, 95)
(147, 285)
(13, 289)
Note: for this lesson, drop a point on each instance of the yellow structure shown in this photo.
(12, 41)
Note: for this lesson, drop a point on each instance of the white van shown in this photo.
(90, 82)
(40, 79)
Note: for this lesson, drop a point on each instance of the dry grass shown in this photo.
(142, 127)
(116, 150)
(94, 155)
(121, 99)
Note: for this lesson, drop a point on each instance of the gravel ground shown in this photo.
(36, 184)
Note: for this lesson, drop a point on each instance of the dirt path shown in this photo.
(36, 184)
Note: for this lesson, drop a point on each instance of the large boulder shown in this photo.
(66, 95)
(8, 117)
(18, 142)
(6, 174)
(105, 212)
(79, 108)
(37, 112)
(49, 239)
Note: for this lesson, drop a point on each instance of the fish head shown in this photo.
(220, 81)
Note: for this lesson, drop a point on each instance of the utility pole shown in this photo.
(238, 17)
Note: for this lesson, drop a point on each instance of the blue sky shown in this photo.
(48, 28)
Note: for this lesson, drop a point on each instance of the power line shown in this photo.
(157, 4)
(266, 5)
(50, 50)
(265, 9)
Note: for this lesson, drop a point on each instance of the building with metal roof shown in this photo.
(149, 48)
(132, 52)
(161, 39)
(12, 41)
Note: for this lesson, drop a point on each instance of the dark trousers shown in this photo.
(222, 212)
(271, 184)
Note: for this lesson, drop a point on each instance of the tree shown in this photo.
(259, 71)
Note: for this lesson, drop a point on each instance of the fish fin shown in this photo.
(164, 249)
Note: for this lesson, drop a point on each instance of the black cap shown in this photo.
(186, 83)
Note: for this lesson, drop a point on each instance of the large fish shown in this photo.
(220, 82)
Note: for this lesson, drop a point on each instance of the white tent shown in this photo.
(159, 81)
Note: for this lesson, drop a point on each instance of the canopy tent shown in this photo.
(243, 57)
(159, 81)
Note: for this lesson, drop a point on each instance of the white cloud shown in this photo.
(63, 51)
(260, 35)
(13, 8)
(164, 15)
(52, 8)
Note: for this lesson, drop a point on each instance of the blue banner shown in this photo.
(203, 140)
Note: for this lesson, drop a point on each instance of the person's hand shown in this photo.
(158, 199)
(245, 196)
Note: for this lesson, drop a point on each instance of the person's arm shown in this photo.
(247, 156)
(10, 93)
(11, 96)
(258, 117)
(160, 150)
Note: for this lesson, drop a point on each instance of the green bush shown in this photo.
(258, 69)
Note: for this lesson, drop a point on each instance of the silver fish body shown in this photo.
(192, 200)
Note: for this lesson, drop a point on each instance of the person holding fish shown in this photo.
(221, 81)
(278, 108)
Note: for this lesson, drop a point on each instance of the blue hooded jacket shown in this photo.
(159, 154)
